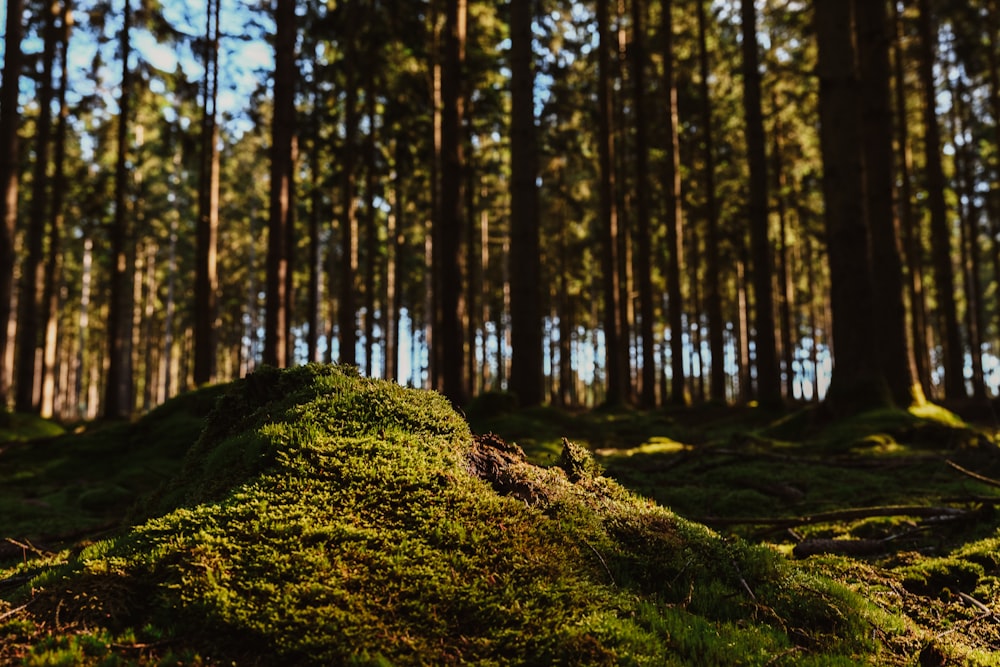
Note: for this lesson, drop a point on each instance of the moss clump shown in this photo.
(323, 518)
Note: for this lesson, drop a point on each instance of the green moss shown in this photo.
(323, 518)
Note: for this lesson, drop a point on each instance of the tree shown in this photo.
(526, 321)
(278, 314)
(892, 344)
(644, 269)
(118, 388)
(675, 215)
(206, 273)
(768, 375)
(449, 229)
(614, 338)
(9, 176)
(713, 292)
(858, 382)
(941, 243)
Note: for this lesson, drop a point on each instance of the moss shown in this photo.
(323, 518)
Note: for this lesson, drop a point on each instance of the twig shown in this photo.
(973, 602)
(10, 612)
(974, 475)
(601, 558)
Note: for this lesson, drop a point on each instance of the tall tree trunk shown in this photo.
(608, 221)
(674, 215)
(451, 224)
(282, 183)
(907, 220)
(118, 387)
(525, 296)
(713, 267)
(858, 382)
(315, 242)
(53, 265)
(9, 178)
(969, 237)
(206, 276)
(347, 315)
(644, 264)
(33, 269)
(953, 356)
(891, 341)
(768, 375)
(784, 278)
(371, 224)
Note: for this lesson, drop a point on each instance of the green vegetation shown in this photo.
(323, 518)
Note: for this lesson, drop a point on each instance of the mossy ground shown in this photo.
(322, 518)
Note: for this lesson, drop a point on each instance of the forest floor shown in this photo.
(901, 508)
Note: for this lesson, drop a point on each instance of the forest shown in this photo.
(576, 203)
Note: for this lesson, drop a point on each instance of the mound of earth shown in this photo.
(324, 518)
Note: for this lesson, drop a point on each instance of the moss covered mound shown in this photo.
(323, 518)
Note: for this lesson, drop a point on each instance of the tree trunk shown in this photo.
(118, 387)
(371, 224)
(9, 178)
(282, 183)
(908, 221)
(53, 265)
(675, 216)
(644, 240)
(451, 225)
(206, 276)
(525, 289)
(713, 267)
(857, 382)
(768, 375)
(347, 314)
(953, 356)
(33, 268)
(891, 342)
(608, 220)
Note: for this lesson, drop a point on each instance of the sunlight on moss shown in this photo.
(936, 413)
(654, 445)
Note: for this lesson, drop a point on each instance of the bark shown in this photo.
(675, 217)
(892, 344)
(525, 294)
(315, 242)
(9, 178)
(909, 225)
(647, 310)
(347, 314)
(53, 265)
(857, 383)
(941, 242)
(451, 225)
(282, 183)
(768, 375)
(33, 268)
(713, 266)
(118, 386)
(371, 222)
(608, 221)
(206, 275)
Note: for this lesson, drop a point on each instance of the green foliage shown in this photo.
(323, 518)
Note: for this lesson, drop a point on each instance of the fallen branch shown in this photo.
(974, 475)
(838, 515)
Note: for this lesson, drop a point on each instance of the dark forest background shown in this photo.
(632, 202)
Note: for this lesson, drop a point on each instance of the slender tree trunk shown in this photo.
(525, 295)
(908, 221)
(53, 265)
(743, 329)
(9, 179)
(315, 242)
(713, 267)
(894, 350)
(644, 264)
(785, 303)
(347, 315)
(206, 275)
(33, 268)
(674, 215)
(451, 225)
(118, 387)
(608, 220)
(371, 225)
(941, 243)
(282, 183)
(768, 375)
